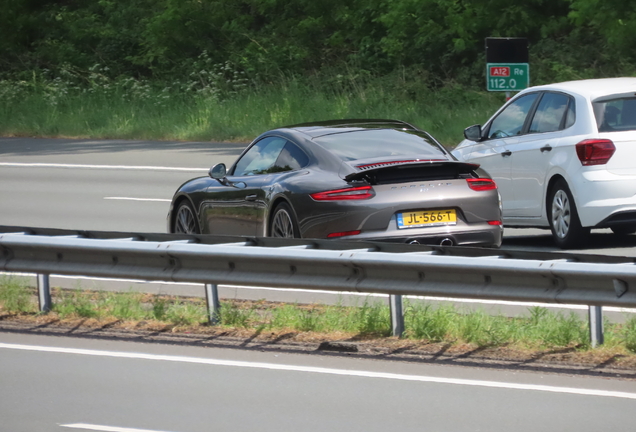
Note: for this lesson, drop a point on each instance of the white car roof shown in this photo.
(593, 88)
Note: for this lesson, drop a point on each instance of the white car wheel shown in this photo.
(565, 224)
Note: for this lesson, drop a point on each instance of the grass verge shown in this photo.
(447, 326)
(127, 109)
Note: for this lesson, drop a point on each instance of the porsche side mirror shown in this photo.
(218, 171)
(473, 133)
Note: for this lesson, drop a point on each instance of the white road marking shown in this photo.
(321, 370)
(138, 199)
(339, 293)
(93, 427)
(110, 167)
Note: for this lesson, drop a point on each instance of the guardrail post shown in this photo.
(596, 325)
(44, 292)
(212, 299)
(397, 315)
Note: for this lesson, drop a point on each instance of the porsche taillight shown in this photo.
(354, 193)
(595, 151)
(343, 234)
(481, 184)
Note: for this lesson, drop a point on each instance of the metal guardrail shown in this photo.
(369, 267)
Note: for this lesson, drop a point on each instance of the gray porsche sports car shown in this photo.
(381, 180)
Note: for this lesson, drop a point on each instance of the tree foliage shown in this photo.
(435, 40)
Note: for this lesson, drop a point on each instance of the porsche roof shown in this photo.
(316, 129)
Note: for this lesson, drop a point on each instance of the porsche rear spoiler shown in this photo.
(372, 170)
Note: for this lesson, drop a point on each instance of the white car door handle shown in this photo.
(506, 153)
(546, 148)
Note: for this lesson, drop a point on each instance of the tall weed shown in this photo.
(373, 319)
(555, 329)
(15, 295)
(76, 304)
(185, 313)
(629, 334)
(422, 321)
(124, 306)
(232, 315)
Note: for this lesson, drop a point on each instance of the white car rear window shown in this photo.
(615, 114)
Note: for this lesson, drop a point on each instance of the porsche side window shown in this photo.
(511, 120)
(260, 158)
(290, 158)
(549, 114)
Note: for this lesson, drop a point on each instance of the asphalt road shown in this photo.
(55, 384)
(116, 185)
(98, 185)
(65, 384)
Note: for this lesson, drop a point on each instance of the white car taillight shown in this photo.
(595, 151)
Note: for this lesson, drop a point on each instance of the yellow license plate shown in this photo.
(416, 219)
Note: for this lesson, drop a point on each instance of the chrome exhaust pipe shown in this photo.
(446, 242)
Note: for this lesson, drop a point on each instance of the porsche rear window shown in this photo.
(615, 114)
(372, 143)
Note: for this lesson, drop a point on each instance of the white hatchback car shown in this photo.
(564, 157)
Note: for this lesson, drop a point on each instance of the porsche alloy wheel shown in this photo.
(283, 224)
(185, 222)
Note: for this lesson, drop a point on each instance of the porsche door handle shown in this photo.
(546, 148)
(506, 153)
(250, 198)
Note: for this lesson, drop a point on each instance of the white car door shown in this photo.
(532, 154)
(494, 157)
(494, 151)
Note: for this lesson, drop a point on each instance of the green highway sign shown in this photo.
(507, 76)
